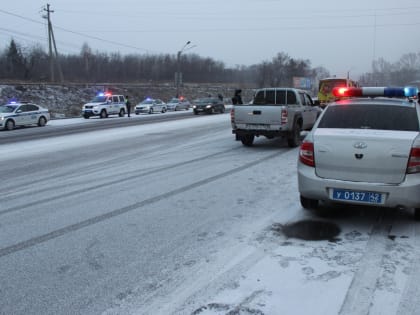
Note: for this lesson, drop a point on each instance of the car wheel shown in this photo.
(10, 125)
(86, 116)
(103, 114)
(176, 108)
(151, 110)
(42, 121)
(294, 138)
(195, 112)
(122, 112)
(212, 111)
(308, 203)
(222, 109)
(247, 140)
(417, 214)
(163, 110)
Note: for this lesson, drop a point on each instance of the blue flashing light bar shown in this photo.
(411, 91)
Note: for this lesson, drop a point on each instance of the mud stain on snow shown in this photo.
(309, 230)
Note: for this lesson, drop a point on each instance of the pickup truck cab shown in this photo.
(274, 112)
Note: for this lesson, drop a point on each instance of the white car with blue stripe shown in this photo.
(16, 114)
(364, 150)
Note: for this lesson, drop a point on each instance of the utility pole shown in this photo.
(51, 42)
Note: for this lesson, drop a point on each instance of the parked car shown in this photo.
(176, 104)
(105, 104)
(209, 105)
(150, 106)
(364, 151)
(16, 114)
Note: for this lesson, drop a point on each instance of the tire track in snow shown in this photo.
(361, 291)
(410, 302)
(97, 219)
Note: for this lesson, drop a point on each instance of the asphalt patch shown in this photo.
(309, 230)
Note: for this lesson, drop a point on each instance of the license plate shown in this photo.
(258, 126)
(358, 196)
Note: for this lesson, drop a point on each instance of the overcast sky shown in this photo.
(342, 36)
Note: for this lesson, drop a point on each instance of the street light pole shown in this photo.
(178, 75)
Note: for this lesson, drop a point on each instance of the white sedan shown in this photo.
(364, 151)
(150, 106)
(176, 104)
(16, 114)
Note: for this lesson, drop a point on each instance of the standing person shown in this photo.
(128, 105)
(237, 98)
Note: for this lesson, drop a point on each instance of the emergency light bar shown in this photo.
(104, 94)
(375, 91)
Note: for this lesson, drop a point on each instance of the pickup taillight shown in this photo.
(232, 115)
(306, 153)
(414, 161)
(284, 118)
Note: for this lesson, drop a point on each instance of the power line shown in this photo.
(102, 39)
(78, 33)
(21, 17)
(366, 13)
(10, 31)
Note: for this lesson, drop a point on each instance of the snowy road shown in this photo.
(178, 218)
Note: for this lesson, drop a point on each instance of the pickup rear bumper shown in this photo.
(257, 132)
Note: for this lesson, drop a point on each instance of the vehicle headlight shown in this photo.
(194, 106)
(208, 106)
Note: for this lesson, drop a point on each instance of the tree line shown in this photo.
(32, 64)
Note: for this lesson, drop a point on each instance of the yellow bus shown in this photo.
(326, 86)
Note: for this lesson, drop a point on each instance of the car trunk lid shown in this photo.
(379, 156)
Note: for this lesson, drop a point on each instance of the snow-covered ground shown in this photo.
(288, 262)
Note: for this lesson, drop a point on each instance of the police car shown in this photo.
(105, 104)
(150, 106)
(16, 114)
(364, 150)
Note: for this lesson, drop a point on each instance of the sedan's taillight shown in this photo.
(414, 161)
(306, 153)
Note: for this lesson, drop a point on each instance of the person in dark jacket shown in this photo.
(237, 98)
(128, 105)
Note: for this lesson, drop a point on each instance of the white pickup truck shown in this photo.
(274, 112)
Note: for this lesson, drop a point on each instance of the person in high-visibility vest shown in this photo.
(128, 105)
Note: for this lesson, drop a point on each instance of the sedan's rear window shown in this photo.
(381, 117)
